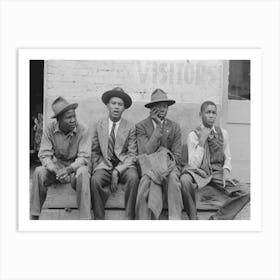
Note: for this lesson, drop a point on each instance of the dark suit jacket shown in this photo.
(149, 141)
(125, 145)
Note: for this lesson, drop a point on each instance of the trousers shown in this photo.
(100, 191)
(42, 179)
(174, 198)
(230, 207)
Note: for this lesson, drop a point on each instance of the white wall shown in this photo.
(188, 82)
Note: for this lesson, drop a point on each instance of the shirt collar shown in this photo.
(57, 129)
(117, 123)
(212, 128)
(154, 123)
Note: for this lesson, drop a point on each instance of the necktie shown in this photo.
(163, 137)
(111, 142)
(212, 134)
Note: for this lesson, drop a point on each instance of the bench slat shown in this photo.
(61, 214)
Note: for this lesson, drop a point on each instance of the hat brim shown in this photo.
(67, 108)
(114, 93)
(151, 104)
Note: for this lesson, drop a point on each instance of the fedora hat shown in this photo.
(61, 105)
(157, 96)
(117, 92)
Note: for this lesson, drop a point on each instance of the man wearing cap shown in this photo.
(65, 156)
(114, 152)
(152, 133)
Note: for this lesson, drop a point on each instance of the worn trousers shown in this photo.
(230, 208)
(174, 198)
(100, 191)
(80, 181)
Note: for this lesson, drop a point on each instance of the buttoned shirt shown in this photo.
(196, 152)
(111, 125)
(72, 149)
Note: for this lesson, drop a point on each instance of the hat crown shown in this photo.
(117, 92)
(118, 89)
(158, 94)
(59, 104)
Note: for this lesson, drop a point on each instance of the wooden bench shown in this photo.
(61, 204)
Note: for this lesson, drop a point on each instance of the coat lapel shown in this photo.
(166, 132)
(104, 135)
(149, 127)
(121, 135)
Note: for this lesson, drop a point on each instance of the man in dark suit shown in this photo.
(114, 151)
(152, 133)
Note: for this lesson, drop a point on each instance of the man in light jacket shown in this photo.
(65, 156)
(114, 152)
(209, 164)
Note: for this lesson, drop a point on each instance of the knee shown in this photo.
(245, 190)
(187, 183)
(186, 179)
(133, 178)
(173, 176)
(40, 171)
(40, 175)
(95, 179)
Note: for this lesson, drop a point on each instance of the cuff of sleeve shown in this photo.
(49, 164)
(120, 169)
(78, 163)
(75, 166)
(70, 169)
(227, 167)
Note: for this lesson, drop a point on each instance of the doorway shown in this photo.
(36, 107)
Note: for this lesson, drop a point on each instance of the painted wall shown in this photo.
(188, 82)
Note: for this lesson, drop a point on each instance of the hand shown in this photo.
(225, 176)
(114, 180)
(65, 180)
(203, 135)
(154, 115)
(62, 174)
(54, 170)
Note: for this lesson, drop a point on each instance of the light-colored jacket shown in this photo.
(125, 145)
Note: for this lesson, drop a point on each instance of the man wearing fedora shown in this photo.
(152, 133)
(65, 157)
(114, 152)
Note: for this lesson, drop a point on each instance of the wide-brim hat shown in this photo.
(157, 96)
(61, 105)
(117, 92)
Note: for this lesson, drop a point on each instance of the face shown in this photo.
(115, 107)
(68, 121)
(162, 109)
(209, 115)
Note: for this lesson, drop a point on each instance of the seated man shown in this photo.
(114, 151)
(209, 164)
(65, 156)
(153, 134)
